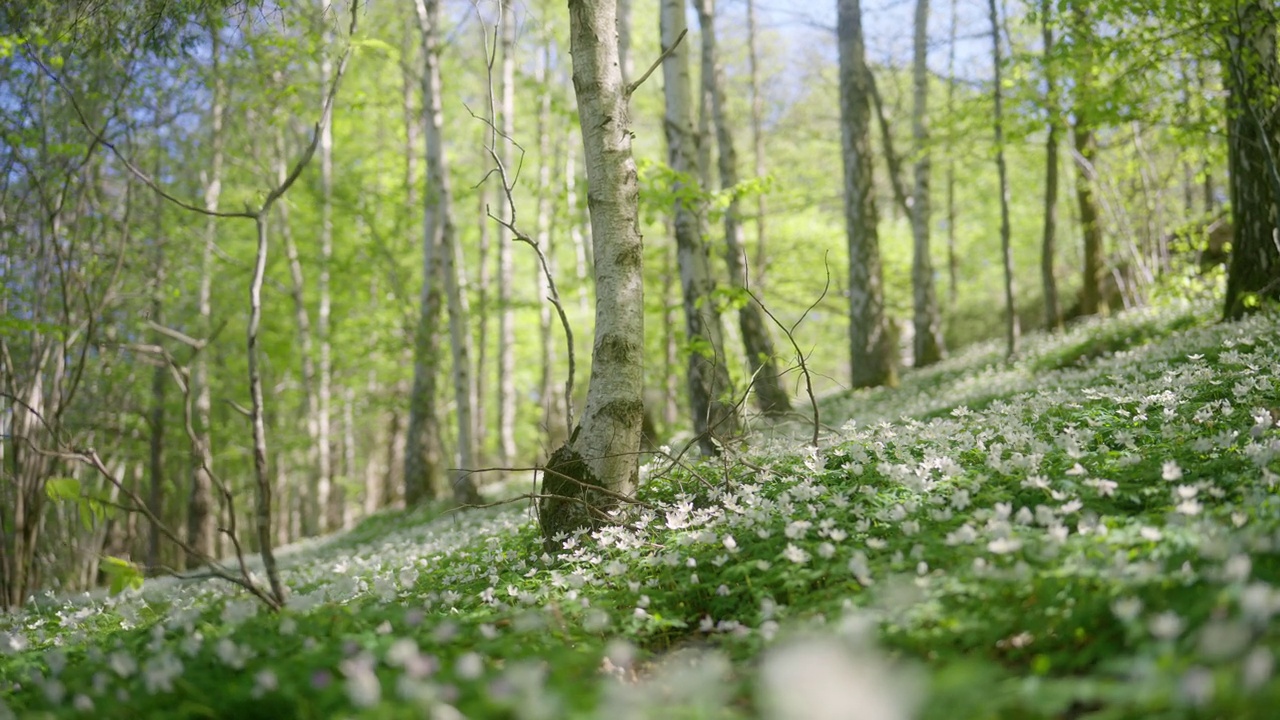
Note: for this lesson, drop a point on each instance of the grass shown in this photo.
(1092, 531)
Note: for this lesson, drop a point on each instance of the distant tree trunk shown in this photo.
(440, 212)
(757, 141)
(708, 376)
(348, 451)
(1210, 201)
(670, 336)
(422, 466)
(1006, 250)
(328, 494)
(770, 395)
(1048, 250)
(871, 357)
(581, 266)
(953, 263)
(159, 384)
(311, 508)
(506, 272)
(1253, 151)
(1085, 152)
(483, 284)
(603, 448)
(201, 519)
(928, 321)
(553, 402)
(624, 40)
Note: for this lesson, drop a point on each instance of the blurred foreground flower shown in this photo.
(826, 680)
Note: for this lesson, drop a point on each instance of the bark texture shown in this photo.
(422, 471)
(927, 343)
(603, 448)
(771, 397)
(1086, 148)
(708, 376)
(1011, 329)
(201, 521)
(506, 271)
(1253, 273)
(1048, 247)
(871, 350)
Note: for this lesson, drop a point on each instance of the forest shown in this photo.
(603, 358)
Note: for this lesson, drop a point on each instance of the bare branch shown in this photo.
(632, 87)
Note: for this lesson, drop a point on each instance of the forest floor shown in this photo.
(1091, 531)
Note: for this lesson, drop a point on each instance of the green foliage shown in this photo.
(1097, 534)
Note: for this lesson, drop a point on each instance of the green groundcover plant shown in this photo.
(1092, 530)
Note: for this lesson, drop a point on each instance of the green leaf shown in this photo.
(62, 489)
(121, 573)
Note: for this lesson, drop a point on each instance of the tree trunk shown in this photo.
(581, 266)
(871, 356)
(1085, 150)
(603, 449)
(953, 263)
(159, 383)
(422, 465)
(1253, 142)
(670, 338)
(506, 272)
(311, 507)
(554, 412)
(484, 281)
(438, 219)
(328, 494)
(770, 394)
(928, 322)
(1048, 250)
(201, 520)
(1006, 250)
(714, 415)
(624, 40)
(757, 141)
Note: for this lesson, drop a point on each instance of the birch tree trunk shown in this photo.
(624, 40)
(438, 223)
(554, 411)
(506, 272)
(953, 263)
(928, 321)
(201, 520)
(328, 494)
(757, 141)
(422, 465)
(1048, 248)
(871, 356)
(714, 415)
(603, 449)
(581, 266)
(484, 282)
(309, 506)
(1006, 251)
(770, 395)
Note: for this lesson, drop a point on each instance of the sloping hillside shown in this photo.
(1090, 531)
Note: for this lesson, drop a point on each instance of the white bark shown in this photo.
(328, 495)
(438, 222)
(607, 440)
(506, 272)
